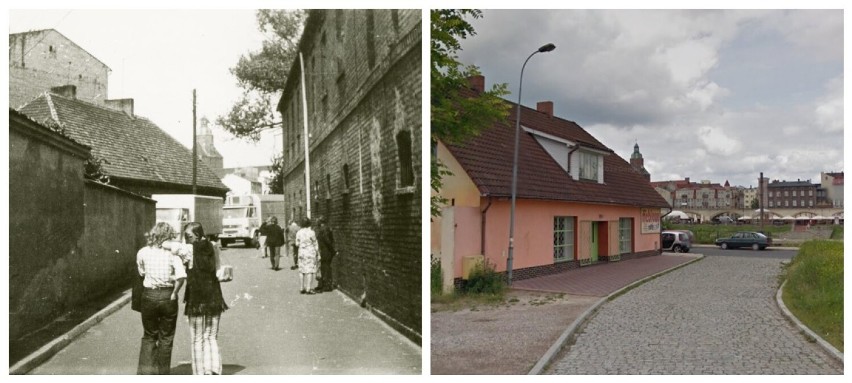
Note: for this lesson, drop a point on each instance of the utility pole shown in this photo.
(762, 229)
(194, 149)
(307, 146)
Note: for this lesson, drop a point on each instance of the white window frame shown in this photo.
(567, 247)
(625, 235)
(589, 164)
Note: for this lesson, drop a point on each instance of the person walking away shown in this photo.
(325, 237)
(164, 275)
(204, 304)
(294, 248)
(274, 240)
(306, 239)
(261, 239)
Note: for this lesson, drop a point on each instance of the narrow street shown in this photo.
(270, 328)
(716, 316)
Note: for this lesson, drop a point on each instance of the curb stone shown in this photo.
(548, 356)
(835, 353)
(49, 350)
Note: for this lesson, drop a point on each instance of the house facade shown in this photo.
(40, 60)
(578, 203)
(362, 85)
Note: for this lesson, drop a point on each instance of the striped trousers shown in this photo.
(203, 332)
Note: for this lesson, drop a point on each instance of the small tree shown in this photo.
(263, 74)
(456, 117)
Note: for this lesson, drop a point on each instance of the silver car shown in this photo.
(675, 241)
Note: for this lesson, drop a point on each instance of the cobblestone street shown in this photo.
(716, 316)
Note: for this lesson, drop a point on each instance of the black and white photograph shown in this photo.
(215, 192)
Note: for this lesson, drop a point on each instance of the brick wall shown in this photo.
(70, 240)
(359, 114)
(43, 59)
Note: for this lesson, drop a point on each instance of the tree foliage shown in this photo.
(263, 74)
(276, 183)
(456, 117)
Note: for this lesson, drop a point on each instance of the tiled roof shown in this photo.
(133, 147)
(487, 159)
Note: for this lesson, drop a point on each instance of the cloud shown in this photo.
(828, 113)
(718, 94)
(717, 141)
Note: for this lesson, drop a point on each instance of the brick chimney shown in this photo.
(545, 107)
(67, 91)
(477, 83)
(122, 105)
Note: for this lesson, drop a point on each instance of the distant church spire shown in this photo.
(638, 162)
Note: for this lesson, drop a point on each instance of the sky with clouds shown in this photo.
(158, 57)
(711, 95)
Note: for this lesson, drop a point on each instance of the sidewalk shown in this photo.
(540, 316)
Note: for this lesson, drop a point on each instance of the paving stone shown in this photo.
(715, 316)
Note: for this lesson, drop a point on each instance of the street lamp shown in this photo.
(544, 48)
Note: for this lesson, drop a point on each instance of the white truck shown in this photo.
(242, 216)
(179, 209)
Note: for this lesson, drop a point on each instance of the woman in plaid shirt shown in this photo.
(164, 275)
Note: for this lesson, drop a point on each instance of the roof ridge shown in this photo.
(53, 114)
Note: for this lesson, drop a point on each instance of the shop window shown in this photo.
(563, 238)
(625, 235)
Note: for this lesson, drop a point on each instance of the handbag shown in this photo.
(224, 273)
(136, 293)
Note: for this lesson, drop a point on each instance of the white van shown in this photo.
(242, 216)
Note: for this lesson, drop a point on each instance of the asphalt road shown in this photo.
(269, 329)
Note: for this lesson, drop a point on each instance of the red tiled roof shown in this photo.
(487, 159)
(133, 147)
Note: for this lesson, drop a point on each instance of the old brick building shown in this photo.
(362, 73)
(40, 60)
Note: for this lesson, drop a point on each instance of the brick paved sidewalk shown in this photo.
(604, 279)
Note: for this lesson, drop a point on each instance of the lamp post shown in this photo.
(544, 48)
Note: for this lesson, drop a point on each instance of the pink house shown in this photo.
(578, 203)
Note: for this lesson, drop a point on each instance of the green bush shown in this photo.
(484, 280)
(436, 276)
(837, 232)
(814, 290)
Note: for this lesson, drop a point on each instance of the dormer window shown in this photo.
(579, 161)
(589, 163)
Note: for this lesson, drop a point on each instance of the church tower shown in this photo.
(638, 162)
(206, 151)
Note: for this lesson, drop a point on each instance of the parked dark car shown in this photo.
(676, 241)
(756, 241)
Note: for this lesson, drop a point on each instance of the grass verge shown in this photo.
(814, 290)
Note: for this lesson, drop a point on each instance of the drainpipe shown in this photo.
(573, 149)
(661, 226)
(482, 228)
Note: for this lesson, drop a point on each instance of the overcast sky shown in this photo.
(158, 57)
(715, 95)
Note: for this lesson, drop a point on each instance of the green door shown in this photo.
(594, 243)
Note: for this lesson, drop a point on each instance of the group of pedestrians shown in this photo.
(164, 266)
(312, 251)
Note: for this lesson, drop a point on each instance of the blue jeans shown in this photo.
(159, 319)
